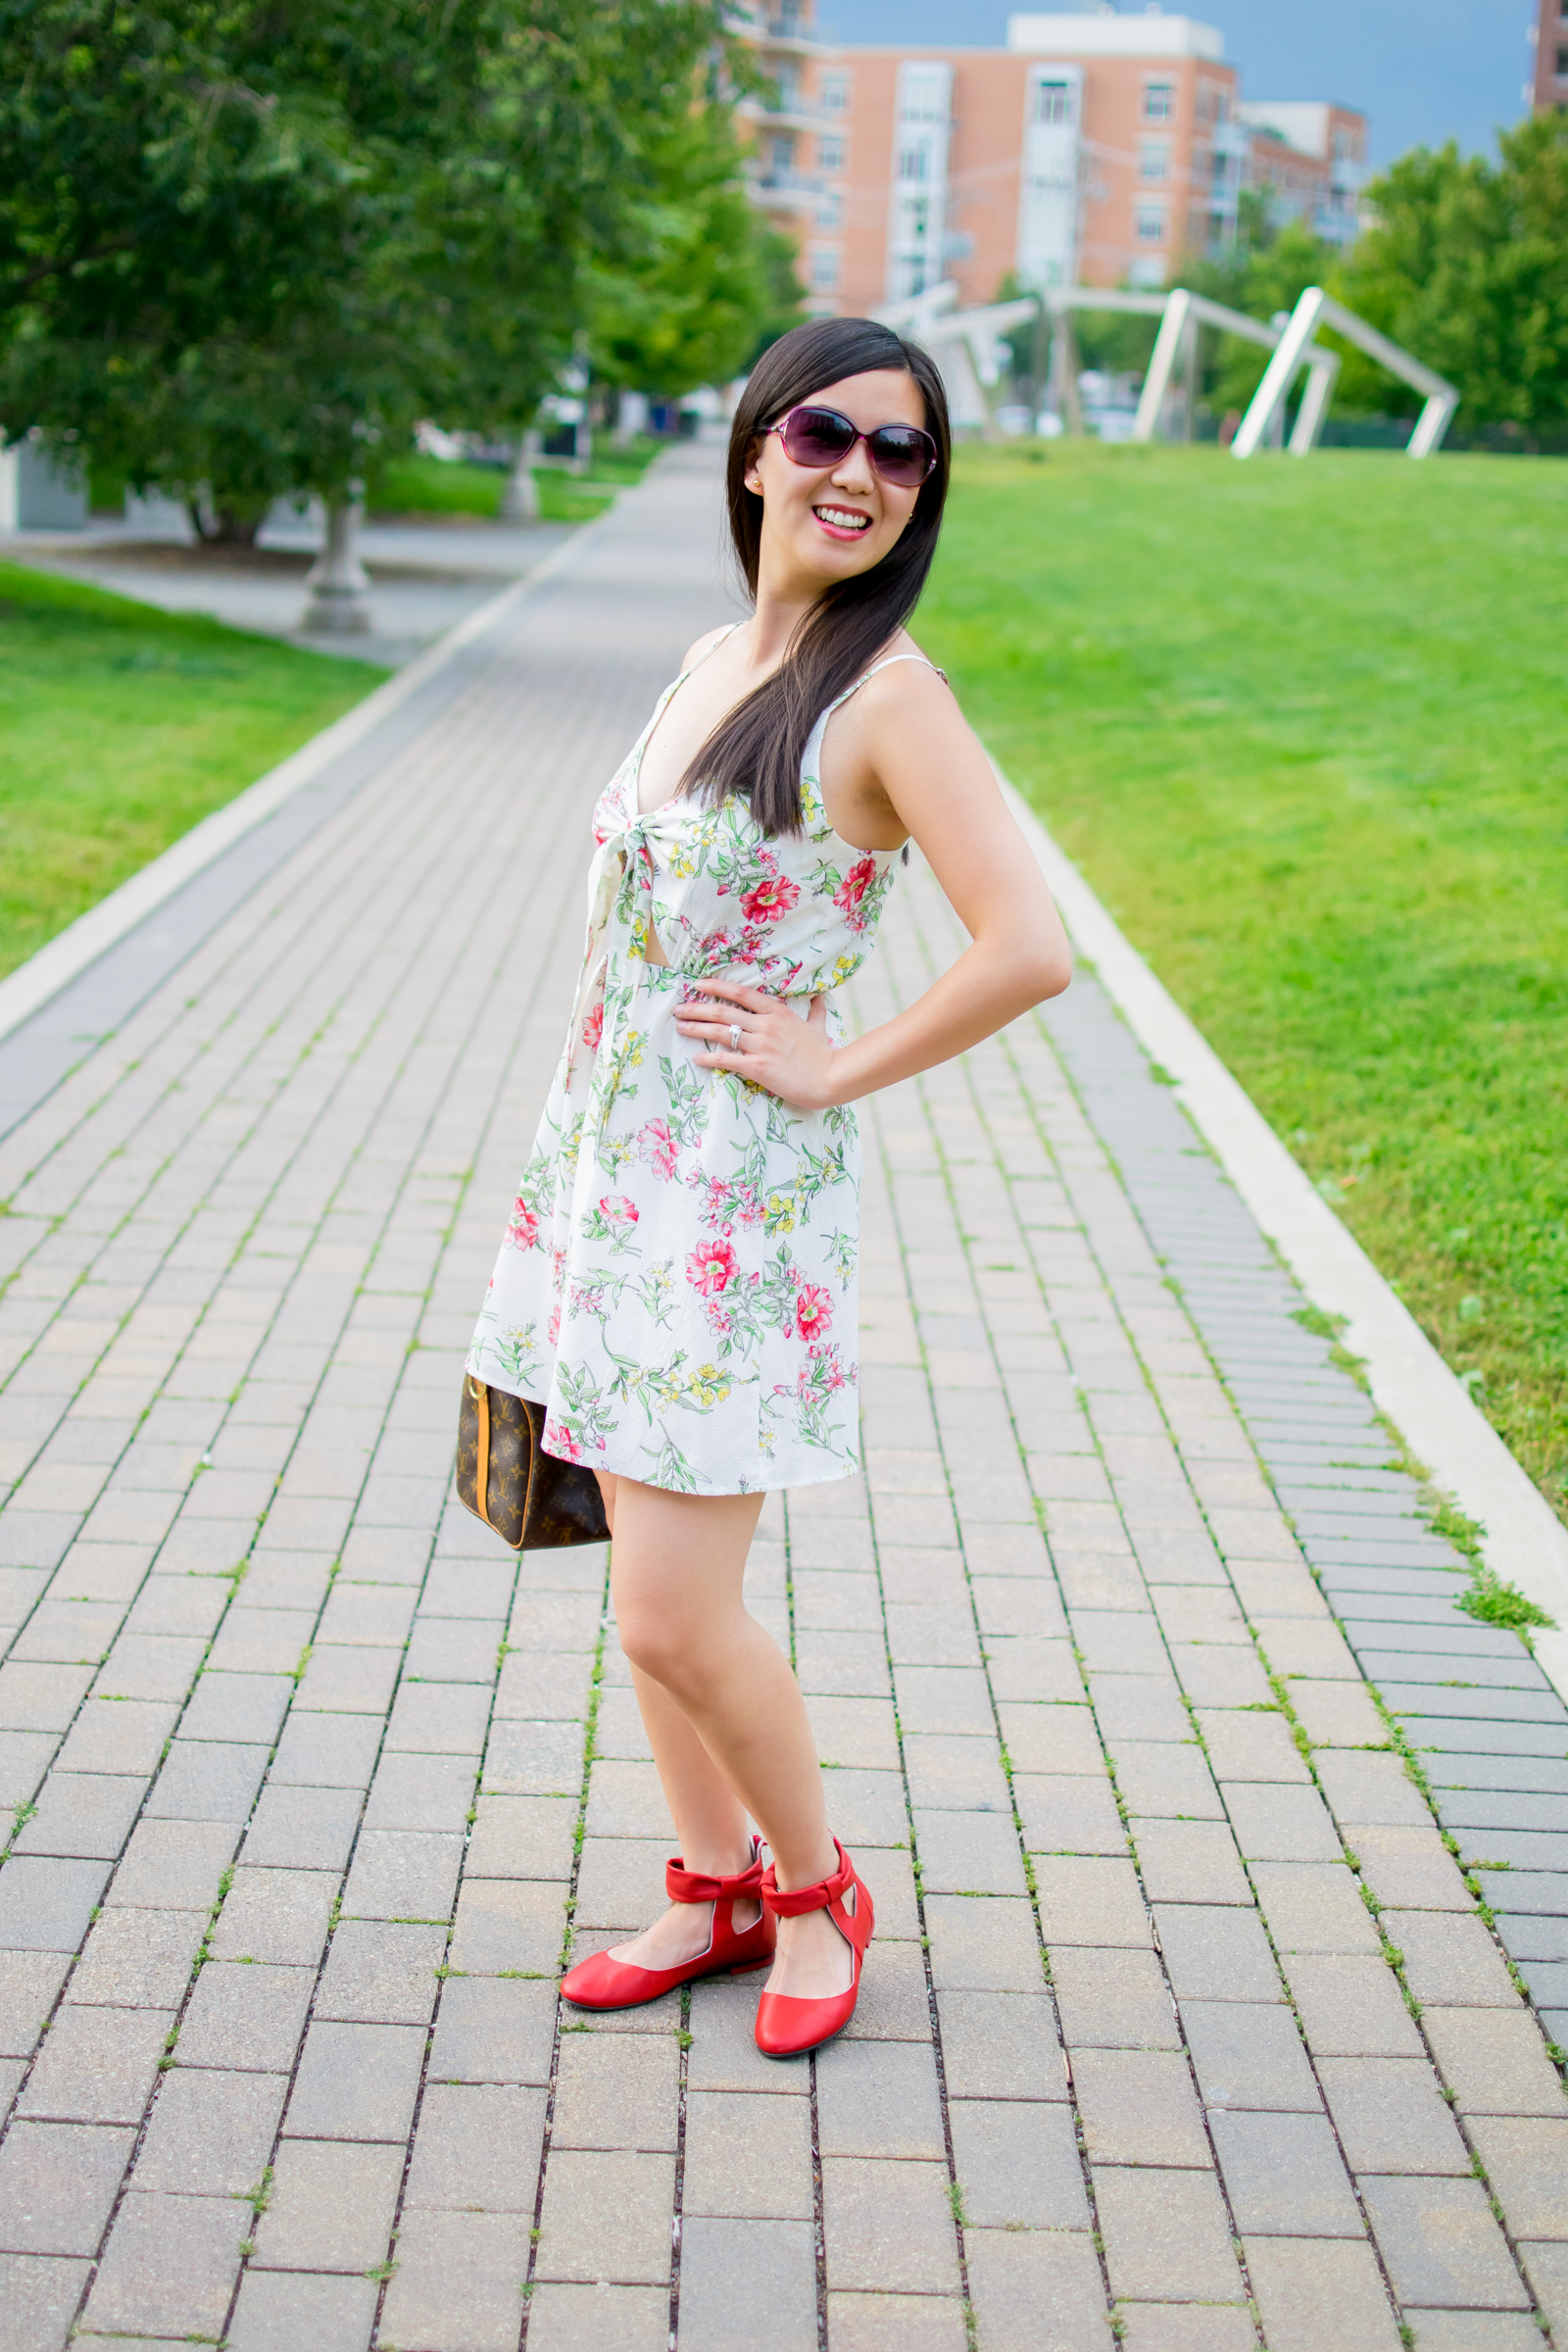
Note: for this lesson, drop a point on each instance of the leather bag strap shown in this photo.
(481, 1482)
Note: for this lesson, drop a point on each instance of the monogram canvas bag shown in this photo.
(530, 1499)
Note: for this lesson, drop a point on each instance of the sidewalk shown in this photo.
(1181, 2010)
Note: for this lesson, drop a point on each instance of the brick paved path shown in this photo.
(1181, 2007)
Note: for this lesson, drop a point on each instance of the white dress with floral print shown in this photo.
(677, 1282)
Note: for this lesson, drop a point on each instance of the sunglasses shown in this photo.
(901, 454)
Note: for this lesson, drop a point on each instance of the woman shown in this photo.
(677, 1282)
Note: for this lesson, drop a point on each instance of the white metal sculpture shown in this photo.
(966, 347)
(1317, 309)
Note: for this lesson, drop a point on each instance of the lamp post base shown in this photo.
(338, 580)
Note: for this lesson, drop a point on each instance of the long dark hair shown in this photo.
(755, 750)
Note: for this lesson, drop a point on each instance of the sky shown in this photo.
(1425, 70)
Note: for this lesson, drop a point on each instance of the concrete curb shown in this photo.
(1432, 1408)
(71, 951)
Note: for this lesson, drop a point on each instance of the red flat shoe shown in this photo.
(786, 2026)
(601, 1982)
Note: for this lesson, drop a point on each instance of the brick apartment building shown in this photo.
(1093, 149)
(1548, 90)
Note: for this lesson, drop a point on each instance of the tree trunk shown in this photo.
(337, 579)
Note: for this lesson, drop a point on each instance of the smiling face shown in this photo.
(827, 523)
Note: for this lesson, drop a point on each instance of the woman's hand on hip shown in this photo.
(775, 1049)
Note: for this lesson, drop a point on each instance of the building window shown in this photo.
(825, 272)
(830, 155)
(1153, 160)
(914, 164)
(1562, 64)
(783, 154)
(1149, 223)
(1160, 102)
(830, 212)
(835, 93)
(1053, 100)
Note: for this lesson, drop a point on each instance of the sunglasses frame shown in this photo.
(821, 409)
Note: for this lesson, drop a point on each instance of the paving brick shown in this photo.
(1190, 1862)
(249, 2018)
(508, 1923)
(303, 1829)
(1411, 1869)
(138, 1959)
(276, 1915)
(96, 2066)
(895, 2323)
(326, 1752)
(1441, 2245)
(878, 2099)
(1112, 2000)
(82, 1815)
(1313, 1907)
(1494, 2061)
(1217, 1953)
(45, 1904)
(41, 2293)
(1391, 2117)
(522, 1837)
(172, 1865)
(209, 2134)
(598, 2319)
(279, 2311)
(58, 2183)
(606, 2215)
(747, 2157)
(356, 2083)
(332, 2207)
(1139, 2108)
(1546, 2269)
(491, 2030)
(1249, 2055)
(1313, 2293)
(1036, 2291)
(458, 2286)
(1054, 1738)
(735, 2268)
(476, 2148)
(983, 1943)
(1139, 1706)
(1284, 2176)
(1337, 1714)
(960, 1853)
(207, 1780)
(1188, 2328)
(1069, 1814)
(1475, 2331)
(1449, 1957)
(1351, 2007)
(1166, 2235)
(1018, 2165)
(237, 1706)
(888, 2226)
(402, 1874)
(611, 2093)
(1084, 1899)
(169, 2267)
(1161, 1779)
(379, 1973)
(423, 1793)
(30, 1983)
(1527, 2165)
(1364, 1788)
(724, 2055)
(1281, 1824)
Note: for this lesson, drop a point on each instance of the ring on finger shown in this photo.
(735, 1036)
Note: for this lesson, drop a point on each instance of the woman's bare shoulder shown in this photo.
(704, 645)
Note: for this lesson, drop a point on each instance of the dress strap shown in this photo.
(886, 663)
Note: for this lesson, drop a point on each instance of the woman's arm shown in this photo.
(912, 740)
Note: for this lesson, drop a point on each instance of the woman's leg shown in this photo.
(725, 1719)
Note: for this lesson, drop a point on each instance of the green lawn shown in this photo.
(119, 727)
(438, 487)
(1303, 726)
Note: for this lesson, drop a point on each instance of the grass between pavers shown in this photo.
(121, 726)
(1302, 724)
(418, 485)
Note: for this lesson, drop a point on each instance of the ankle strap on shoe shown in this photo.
(791, 1903)
(684, 1886)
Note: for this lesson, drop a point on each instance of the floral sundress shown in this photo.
(678, 1280)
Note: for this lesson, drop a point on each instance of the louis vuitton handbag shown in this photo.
(531, 1500)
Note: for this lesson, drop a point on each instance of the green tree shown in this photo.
(703, 281)
(249, 242)
(1266, 270)
(1467, 266)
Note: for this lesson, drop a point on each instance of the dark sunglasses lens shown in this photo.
(818, 436)
(901, 455)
